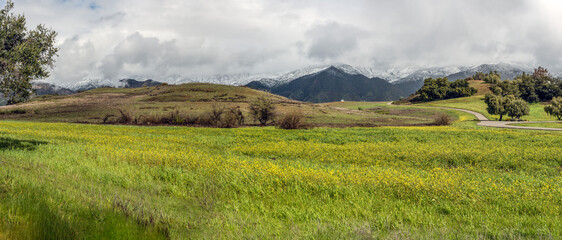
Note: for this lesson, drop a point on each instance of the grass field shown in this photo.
(67, 181)
(547, 125)
(196, 99)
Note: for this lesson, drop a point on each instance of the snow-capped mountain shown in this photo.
(506, 70)
(269, 80)
(434, 72)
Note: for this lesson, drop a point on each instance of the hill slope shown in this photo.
(193, 100)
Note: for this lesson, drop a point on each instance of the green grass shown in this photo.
(546, 125)
(476, 103)
(72, 181)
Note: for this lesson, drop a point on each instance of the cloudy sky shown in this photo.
(114, 39)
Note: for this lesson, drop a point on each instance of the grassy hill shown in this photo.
(194, 99)
(476, 103)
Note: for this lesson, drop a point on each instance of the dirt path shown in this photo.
(499, 124)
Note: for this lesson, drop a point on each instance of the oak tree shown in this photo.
(25, 55)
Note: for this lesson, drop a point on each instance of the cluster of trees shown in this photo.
(511, 97)
(491, 77)
(506, 105)
(442, 88)
(540, 86)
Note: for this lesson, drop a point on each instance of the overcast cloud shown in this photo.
(110, 39)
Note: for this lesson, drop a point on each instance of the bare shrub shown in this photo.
(191, 119)
(106, 118)
(263, 110)
(124, 117)
(175, 118)
(151, 119)
(228, 120)
(233, 117)
(215, 114)
(442, 120)
(205, 120)
(293, 120)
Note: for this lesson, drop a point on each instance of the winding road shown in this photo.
(499, 124)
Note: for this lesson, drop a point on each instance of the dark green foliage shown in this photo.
(13, 111)
(479, 76)
(492, 78)
(25, 55)
(540, 86)
(496, 104)
(517, 108)
(555, 108)
(263, 110)
(505, 88)
(441, 88)
(508, 105)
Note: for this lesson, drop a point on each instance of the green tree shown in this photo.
(492, 78)
(263, 110)
(497, 104)
(517, 108)
(26, 55)
(441, 88)
(555, 108)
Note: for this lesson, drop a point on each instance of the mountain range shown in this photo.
(343, 82)
(314, 83)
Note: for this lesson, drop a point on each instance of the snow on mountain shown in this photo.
(506, 70)
(393, 75)
(434, 72)
(91, 83)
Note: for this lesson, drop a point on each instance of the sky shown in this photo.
(110, 39)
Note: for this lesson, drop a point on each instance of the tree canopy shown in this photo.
(540, 86)
(555, 108)
(506, 105)
(442, 88)
(25, 55)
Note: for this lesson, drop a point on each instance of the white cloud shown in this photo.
(116, 39)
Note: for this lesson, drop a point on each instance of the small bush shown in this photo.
(191, 119)
(18, 111)
(106, 118)
(205, 120)
(215, 115)
(175, 118)
(14, 111)
(293, 120)
(443, 120)
(263, 110)
(124, 117)
(231, 118)
(151, 119)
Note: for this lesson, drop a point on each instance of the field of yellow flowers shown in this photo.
(68, 181)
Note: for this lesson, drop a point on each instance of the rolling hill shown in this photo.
(197, 99)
